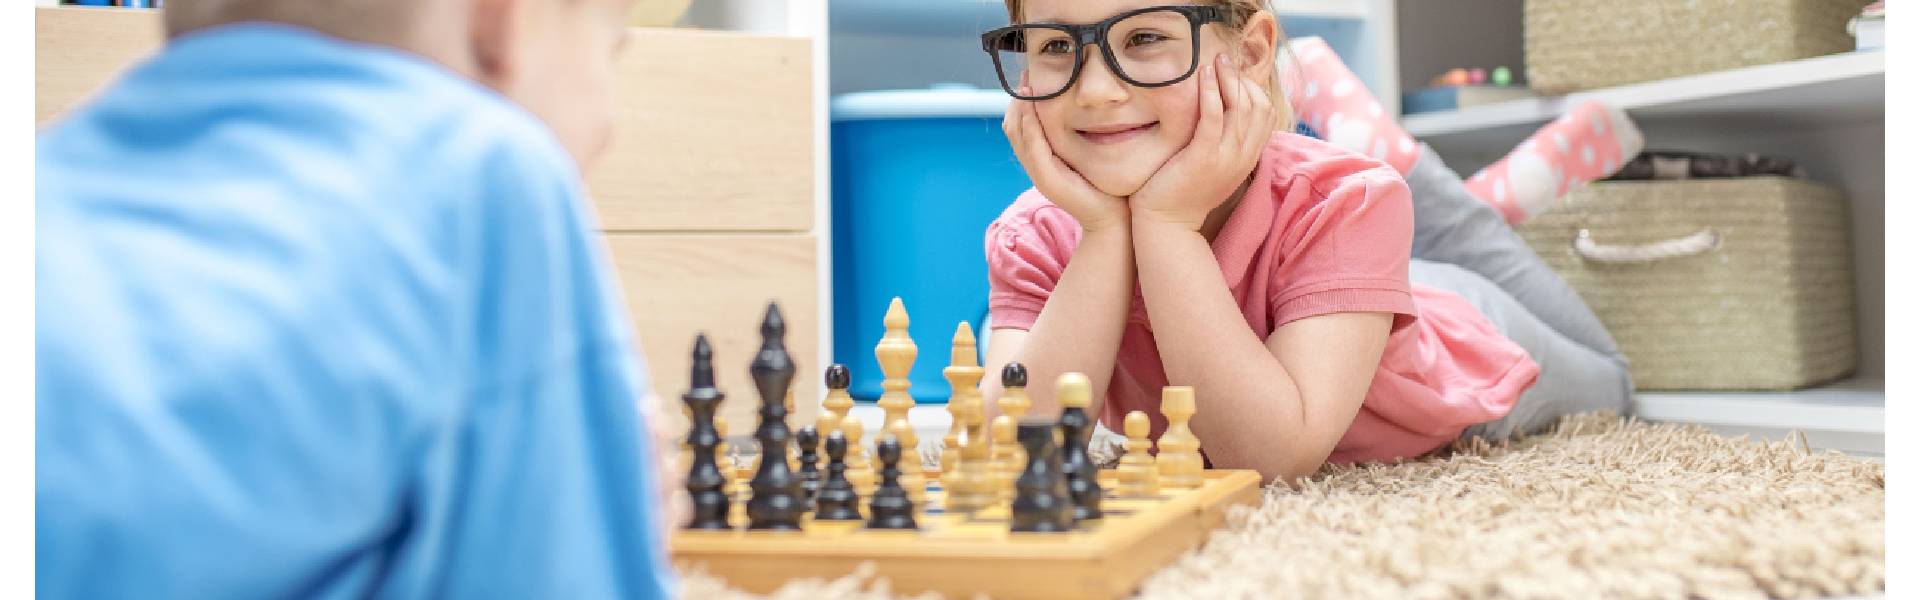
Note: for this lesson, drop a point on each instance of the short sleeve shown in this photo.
(1027, 250)
(1345, 245)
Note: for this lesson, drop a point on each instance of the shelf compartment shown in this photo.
(1839, 88)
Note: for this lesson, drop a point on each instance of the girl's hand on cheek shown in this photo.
(1236, 120)
(1065, 187)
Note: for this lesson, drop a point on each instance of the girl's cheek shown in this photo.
(1178, 106)
(1053, 113)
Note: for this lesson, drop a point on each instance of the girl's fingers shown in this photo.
(1229, 82)
(1010, 122)
(1030, 128)
(1234, 103)
(1021, 133)
(1261, 118)
(1041, 164)
(1250, 99)
(1207, 133)
(1235, 108)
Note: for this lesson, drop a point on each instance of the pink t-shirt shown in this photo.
(1321, 230)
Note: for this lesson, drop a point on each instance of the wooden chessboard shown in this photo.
(962, 555)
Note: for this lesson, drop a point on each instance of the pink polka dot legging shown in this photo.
(1588, 143)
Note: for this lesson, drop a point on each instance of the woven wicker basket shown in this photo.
(1575, 45)
(1712, 284)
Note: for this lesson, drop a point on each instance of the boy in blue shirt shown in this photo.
(321, 313)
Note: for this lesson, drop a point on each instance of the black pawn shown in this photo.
(705, 484)
(1040, 501)
(1013, 375)
(809, 441)
(777, 501)
(891, 507)
(837, 500)
(838, 377)
(1082, 478)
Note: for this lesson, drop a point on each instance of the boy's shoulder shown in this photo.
(259, 88)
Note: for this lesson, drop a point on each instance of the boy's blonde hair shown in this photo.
(1239, 12)
(366, 20)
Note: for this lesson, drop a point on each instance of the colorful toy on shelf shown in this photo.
(1461, 88)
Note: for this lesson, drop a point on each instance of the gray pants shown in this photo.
(1460, 244)
(1573, 377)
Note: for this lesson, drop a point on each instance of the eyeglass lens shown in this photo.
(1151, 48)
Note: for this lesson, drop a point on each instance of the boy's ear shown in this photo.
(493, 38)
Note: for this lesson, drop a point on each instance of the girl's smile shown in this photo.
(1115, 134)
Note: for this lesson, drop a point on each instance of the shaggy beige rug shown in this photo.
(1598, 507)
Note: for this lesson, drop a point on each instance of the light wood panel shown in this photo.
(715, 134)
(680, 285)
(78, 50)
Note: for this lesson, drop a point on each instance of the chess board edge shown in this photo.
(1106, 562)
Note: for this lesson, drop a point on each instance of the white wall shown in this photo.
(903, 44)
(757, 16)
(879, 61)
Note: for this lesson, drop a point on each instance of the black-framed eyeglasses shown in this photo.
(1148, 47)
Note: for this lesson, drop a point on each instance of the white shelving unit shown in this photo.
(1826, 113)
(1349, 9)
(1813, 92)
(1849, 416)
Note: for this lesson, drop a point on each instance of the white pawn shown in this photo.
(963, 375)
(1179, 460)
(828, 422)
(1139, 477)
(1009, 459)
(859, 466)
(916, 486)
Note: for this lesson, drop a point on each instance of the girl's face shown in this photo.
(1114, 134)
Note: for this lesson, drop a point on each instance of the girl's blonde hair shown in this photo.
(1239, 12)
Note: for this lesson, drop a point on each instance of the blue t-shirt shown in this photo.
(320, 319)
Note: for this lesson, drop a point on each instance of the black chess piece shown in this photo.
(890, 507)
(1082, 477)
(809, 441)
(705, 484)
(1040, 502)
(838, 377)
(1013, 375)
(837, 501)
(777, 501)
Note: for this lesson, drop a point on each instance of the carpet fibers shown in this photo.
(1598, 507)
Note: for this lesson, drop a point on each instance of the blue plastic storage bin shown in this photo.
(917, 177)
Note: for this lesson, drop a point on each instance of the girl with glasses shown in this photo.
(1179, 233)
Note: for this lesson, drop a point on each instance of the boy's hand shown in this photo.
(1236, 120)
(1065, 187)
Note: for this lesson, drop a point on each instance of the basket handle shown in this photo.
(1700, 242)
